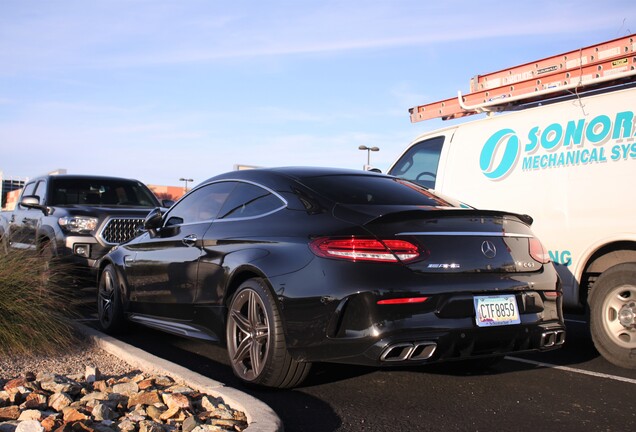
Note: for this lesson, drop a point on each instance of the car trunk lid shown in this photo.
(453, 240)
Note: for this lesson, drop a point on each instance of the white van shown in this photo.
(571, 165)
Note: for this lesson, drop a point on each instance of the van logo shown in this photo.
(503, 146)
(488, 249)
(565, 144)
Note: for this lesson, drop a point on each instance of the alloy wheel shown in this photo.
(249, 334)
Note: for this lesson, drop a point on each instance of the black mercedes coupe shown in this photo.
(289, 266)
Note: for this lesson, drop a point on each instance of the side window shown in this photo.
(203, 204)
(420, 162)
(40, 191)
(249, 200)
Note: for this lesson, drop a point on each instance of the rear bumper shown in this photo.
(347, 325)
(430, 347)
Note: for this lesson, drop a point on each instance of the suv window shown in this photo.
(202, 204)
(40, 190)
(420, 162)
(249, 200)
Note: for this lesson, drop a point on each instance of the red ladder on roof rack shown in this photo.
(591, 67)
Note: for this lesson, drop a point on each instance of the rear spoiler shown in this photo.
(364, 214)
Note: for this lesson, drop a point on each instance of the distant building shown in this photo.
(240, 167)
(167, 192)
(12, 199)
(7, 185)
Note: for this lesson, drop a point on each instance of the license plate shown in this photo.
(496, 310)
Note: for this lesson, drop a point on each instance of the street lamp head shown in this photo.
(363, 147)
(185, 180)
(369, 150)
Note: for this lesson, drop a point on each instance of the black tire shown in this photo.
(256, 341)
(612, 308)
(110, 309)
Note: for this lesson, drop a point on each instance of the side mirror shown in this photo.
(33, 202)
(167, 203)
(30, 201)
(154, 219)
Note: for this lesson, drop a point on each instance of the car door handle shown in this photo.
(190, 240)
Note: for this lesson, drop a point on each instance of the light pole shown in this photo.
(186, 180)
(369, 150)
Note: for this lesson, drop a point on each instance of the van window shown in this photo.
(420, 162)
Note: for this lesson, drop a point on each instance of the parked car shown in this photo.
(289, 266)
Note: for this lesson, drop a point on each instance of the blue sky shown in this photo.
(159, 90)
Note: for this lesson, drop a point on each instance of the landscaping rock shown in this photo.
(90, 402)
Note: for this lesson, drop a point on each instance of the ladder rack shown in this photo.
(592, 67)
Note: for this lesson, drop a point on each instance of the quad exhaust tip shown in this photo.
(408, 351)
(552, 338)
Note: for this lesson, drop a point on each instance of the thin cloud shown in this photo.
(159, 33)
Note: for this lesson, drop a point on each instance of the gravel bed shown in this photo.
(72, 362)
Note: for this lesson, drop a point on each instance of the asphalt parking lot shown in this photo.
(571, 389)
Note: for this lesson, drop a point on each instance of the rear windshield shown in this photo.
(100, 192)
(367, 189)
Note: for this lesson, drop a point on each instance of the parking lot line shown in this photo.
(575, 370)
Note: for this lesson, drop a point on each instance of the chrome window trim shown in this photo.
(276, 194)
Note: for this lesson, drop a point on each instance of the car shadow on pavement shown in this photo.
(296, 409)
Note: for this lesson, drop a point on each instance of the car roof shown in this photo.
(297, 173)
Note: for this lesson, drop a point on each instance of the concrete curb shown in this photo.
(260, 417)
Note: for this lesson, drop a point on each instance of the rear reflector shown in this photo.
(399, 301)
(364, 249)
(551, 293)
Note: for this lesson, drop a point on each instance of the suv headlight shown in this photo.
(78, 224)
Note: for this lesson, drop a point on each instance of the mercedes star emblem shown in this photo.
(488, 249)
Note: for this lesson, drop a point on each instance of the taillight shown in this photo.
(364, 249)
(537, 252)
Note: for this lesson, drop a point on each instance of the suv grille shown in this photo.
(120, 230)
